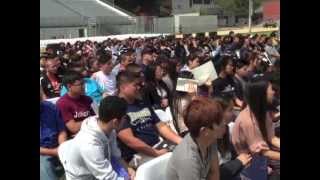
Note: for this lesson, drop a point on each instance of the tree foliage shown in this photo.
(238, 7)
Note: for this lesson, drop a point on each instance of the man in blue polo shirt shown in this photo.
(52, 133)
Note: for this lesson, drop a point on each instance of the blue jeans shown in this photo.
(48, 167)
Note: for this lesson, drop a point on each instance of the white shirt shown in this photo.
(106, 82)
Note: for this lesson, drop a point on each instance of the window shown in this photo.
(207, 1)
(197, 1)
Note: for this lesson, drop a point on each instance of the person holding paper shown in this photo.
(181, 99)
(193, 61)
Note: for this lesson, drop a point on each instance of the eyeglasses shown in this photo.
(79, 84)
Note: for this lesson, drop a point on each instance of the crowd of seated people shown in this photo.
(111, 97)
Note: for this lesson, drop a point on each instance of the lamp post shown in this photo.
(250, 15)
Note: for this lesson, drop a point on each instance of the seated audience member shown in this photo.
(155, 91)
(147, 58)
(253, 131)
(50, 81)
(105, 77)
(92, 89)
(230, 164)
(127, 57)
(224, 84)
(193, 61)
(240, 79)
(52, 133)
(74, 105)
(139, 133)
(91, 153)
(169, 73)
(135, 69)
(196, 157)
(93, 66)
(253, 60)
(272, 52)
(179, 102)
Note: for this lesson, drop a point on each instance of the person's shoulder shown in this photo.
(63, 100)
(184, 154)
(90, 81)
(244, 117)
(48, 105)
(96, 74)
(217, 81)
(86, 98)
(136, 103)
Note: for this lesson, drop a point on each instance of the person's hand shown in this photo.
(192, 88)
(161, 152)
(208, 82)
(245, 158)
(132, 173)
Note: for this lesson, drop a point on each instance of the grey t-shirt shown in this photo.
(186, 163)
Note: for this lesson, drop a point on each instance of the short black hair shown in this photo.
(112, 107)
(104, 58)
(147, 50)
(240, 63)
(70, 77)
(135, 69)
(225, 60)
(125, 77)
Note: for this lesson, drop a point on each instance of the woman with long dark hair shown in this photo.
(253, 130)
(155, 92)
(230, 163)
(179, 102)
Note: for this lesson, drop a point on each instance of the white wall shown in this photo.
(48, 33)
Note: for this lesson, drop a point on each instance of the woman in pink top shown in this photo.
(253, 128)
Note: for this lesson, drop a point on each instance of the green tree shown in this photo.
(237, 7)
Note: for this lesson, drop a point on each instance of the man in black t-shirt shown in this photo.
(140, 131)
(224, 84)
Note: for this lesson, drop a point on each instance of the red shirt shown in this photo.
(77, 109)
